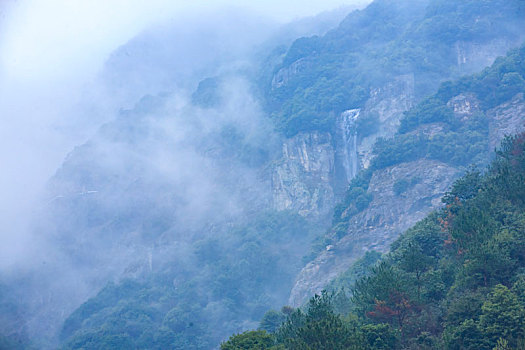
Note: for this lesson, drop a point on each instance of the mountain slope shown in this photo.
(333, 96)
(437, 139)
(309, 167)
(184, 219)
(320, 77)
(453, 281)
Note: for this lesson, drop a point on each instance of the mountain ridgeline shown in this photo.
(345, 164)
(320, 77)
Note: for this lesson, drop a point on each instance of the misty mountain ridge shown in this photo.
(250, 174)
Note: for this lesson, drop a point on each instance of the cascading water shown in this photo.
(348, 131)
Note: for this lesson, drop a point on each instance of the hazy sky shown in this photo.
(43, 39)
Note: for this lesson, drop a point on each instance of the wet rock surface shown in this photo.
(506, 119)
(387, 216)
(302, 179)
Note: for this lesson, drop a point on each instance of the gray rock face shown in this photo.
(302, 179)
(471, 56)
(282, 77)
(390, 214)
(391, 100)
(316, 166)
(428, 130)
(506, 119)
(464, 105)
(388, 103)
(387, 216)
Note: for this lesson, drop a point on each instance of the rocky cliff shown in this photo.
(404, 194)
(316, 167)
(387, 216)
(471, 56)
(507, 119)
(387, 103)
(302, 179)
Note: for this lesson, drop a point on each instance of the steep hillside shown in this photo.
(170, 202)
(320, 77)
(410, 172)
(455, 280)
(307, 179)
(187, 216)
(333, 96)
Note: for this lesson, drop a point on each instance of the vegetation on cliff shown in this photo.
(463, 139)
(432, 291)
(320, 77)
(456, 280)
(238, 276)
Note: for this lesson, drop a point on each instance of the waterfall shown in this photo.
(348, 133)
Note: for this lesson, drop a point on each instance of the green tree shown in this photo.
(380, 336)
(466, 336)
(384, 296)
(502, 317)
(319, 328)
(502, 344)
(271, 321)
(416, 263)
(250, 340)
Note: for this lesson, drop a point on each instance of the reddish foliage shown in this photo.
(447, 222)
(395, 309)
(382, 311)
